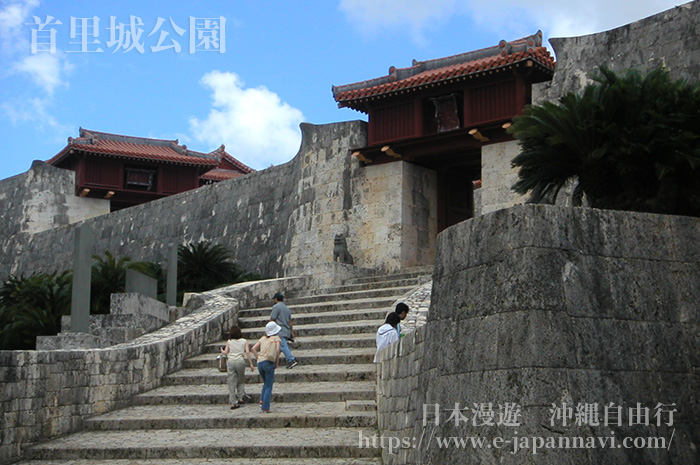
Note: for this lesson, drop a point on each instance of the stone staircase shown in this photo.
(319, 408)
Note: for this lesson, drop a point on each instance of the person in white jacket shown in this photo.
(387, 334)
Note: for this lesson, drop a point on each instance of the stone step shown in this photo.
(391, 290)
(191, 417)
(405, 282)
(348, 355)
(316, 307)
(322, 329)
(412, 273)
(204, 394)
(361, 405)
(209, 443)
(212, 461)
(300, 373)
(260, 321)
(331, 341)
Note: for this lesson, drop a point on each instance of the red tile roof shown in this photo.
(228, 168)
(156, 150)
(115, 145)
(229, 162)
(447, 69)
(218, 174)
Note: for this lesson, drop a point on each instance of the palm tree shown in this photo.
(109, 277)
(630, 142)
(204, 266)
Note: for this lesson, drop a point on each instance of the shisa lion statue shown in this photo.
(340, 250)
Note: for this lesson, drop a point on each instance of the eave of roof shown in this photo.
(133, 152)
(446, 70)
(145, 149)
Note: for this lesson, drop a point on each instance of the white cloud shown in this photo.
(13, 15)
(35, 111)
(254, 124)
(45, 69)
(373, 15)
(508, 17)
(565, 19)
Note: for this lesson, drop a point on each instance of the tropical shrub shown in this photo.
(630, 142)
(32, 306)
(109, 276)
(203, 266)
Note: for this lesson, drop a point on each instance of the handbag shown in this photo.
(221, 363)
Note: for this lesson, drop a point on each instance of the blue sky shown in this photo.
(280, 60)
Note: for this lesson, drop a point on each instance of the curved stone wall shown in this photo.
(545, 307)
(670, 39)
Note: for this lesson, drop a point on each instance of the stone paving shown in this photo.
(320, 408)
(215, 461)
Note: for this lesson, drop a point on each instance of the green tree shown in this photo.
(630, 142)
(32, 306)
(203, 266)
(109, 277)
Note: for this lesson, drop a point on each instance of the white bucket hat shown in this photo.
(272, 328)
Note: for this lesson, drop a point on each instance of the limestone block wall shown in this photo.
(497, 177)
(43, 198)
(324, 196)
(256, 215)
(394, 214)
(244, 213)
(279, 222)
(48, 393)
(419, 216)
(400, 398)
(667, 39)
(542, 306)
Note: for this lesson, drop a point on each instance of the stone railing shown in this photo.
(49, 393)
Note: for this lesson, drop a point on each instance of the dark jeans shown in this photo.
(267, 373)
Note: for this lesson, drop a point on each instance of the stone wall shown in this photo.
(400, 398)
(43, 198)
(394, 216)
(48, 393)
(256, 215)
(279, 222)
(543, 305)
(670, 39)
(497, 177)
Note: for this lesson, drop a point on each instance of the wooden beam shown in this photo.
(361, 157)
(507, 125)
(109, 195)
(477, 135)
(84, 192)
(388, 150)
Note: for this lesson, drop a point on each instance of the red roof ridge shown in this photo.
(90, 134)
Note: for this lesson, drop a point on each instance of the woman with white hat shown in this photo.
(267, 351)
